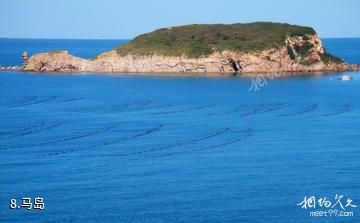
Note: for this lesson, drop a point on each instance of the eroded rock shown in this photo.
(298, 54)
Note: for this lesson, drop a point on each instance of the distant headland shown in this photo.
(241, 48)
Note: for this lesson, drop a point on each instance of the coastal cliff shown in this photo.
(242, 48)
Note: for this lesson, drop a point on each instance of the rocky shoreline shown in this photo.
(297, 54)
(11, 68)
(353, 67)
(350, 68)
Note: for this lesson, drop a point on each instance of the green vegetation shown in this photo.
(328, 58)
(196, 40)
(304, 50)
(53, 52)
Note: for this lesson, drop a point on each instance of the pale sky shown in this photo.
(116, 19)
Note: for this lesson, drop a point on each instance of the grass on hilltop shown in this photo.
(197, 40)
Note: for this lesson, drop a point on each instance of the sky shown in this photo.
(123, 19)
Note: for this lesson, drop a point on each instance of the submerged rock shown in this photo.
(12, 68)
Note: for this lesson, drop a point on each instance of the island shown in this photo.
(204, 48)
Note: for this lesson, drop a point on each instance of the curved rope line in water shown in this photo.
(66, 100)
(18, 131)
(136, 109)
(63, 139)
(347, 108)
(29, 99)
(183, 110)
(34, 102)
(189, 142)
(103, 110)
(312, 108)
(264, 110)
(36, 131)
(115, 141)
(235, 110)
(248, 133)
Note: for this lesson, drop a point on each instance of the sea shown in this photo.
(174, 148)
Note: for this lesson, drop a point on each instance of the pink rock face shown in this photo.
(271, 60)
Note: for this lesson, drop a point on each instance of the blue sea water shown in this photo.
(12, 49)
(122, 148)
(345, 48)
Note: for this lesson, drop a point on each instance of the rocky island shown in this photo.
(242, 48)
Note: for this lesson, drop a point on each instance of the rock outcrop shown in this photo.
(296, 53)
(272, 60)
(25, 58)
(12, 68)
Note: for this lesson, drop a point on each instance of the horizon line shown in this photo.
(60, 38)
